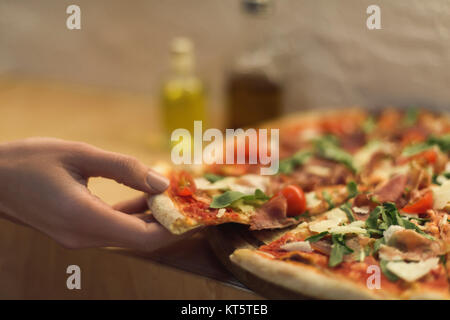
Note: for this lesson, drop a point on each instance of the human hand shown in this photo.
(44, 185)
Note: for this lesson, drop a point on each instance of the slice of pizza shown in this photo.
(247, 199)
(343, 254)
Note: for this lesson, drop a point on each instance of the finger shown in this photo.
(100, 225)
(136, 205)
(114, 228)
(158, 237)
(124, 169)
(147, 217)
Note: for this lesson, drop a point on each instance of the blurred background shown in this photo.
(137, 69)
(325, 53)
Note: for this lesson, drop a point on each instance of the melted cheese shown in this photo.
(337, 214)
(441, 195)
(318, 170)
(303, 246)
(308, 134)
(363, 156)
(354, 227)
(335, 217)
(391, 254)
(324, 225)
(443, 221)
(221, 212)
(311, 200)
(411, 271)
(390, 232)
(361, 210)
(246, 184)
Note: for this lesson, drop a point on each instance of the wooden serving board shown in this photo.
(226, 238)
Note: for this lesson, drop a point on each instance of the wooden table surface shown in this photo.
(32, 266)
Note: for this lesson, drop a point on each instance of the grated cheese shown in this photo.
(390, 232)
(441, 195)
(411, 271)
(303, 246)
(246, 184)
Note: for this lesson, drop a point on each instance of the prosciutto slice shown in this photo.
(272, 215)
(391, 190)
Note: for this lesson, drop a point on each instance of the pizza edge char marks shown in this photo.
(363, 190)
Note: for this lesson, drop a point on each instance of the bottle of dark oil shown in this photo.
(254, 88)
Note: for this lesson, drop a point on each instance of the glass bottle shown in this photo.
(254, 87)
(183, 93)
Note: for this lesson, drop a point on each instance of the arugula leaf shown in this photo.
(228, 197)
(392, 277)
(375, 199)
(352, 189)
(443, 142)
(211, 177)
(411, 117)
(327, 147)
(257, 198)
(392, 215)
(397, 219)
(409, 225)
(348, 211)
(434, 179)
(317, 237)
(372, 220)
(377, 244)
(420, 220)
(435, 176)
(375, 231)
(416, 148)
(288, 165)
(367, 250)
(327, 198)
(382, 226)
(338, 250)
(302, 215)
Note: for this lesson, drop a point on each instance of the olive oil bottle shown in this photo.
(183, 93)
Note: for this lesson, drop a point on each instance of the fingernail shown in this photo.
(157, 182)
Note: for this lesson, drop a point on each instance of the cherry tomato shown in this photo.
(421, 205)
(296, 202)
(413, 136)
(185, 185)
(388, 120)
(429, 155)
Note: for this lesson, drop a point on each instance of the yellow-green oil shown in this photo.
(183, 102)
(183, 94)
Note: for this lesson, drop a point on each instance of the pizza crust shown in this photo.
(165, 211)
(310, 281)
(303, 279)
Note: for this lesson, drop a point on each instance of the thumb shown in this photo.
(94, 162)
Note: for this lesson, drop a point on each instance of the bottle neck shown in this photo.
(182, 64)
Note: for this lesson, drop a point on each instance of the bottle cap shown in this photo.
(182, 50)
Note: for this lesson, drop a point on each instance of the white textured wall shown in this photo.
(329, 59)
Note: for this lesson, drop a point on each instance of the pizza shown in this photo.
(360, 204)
